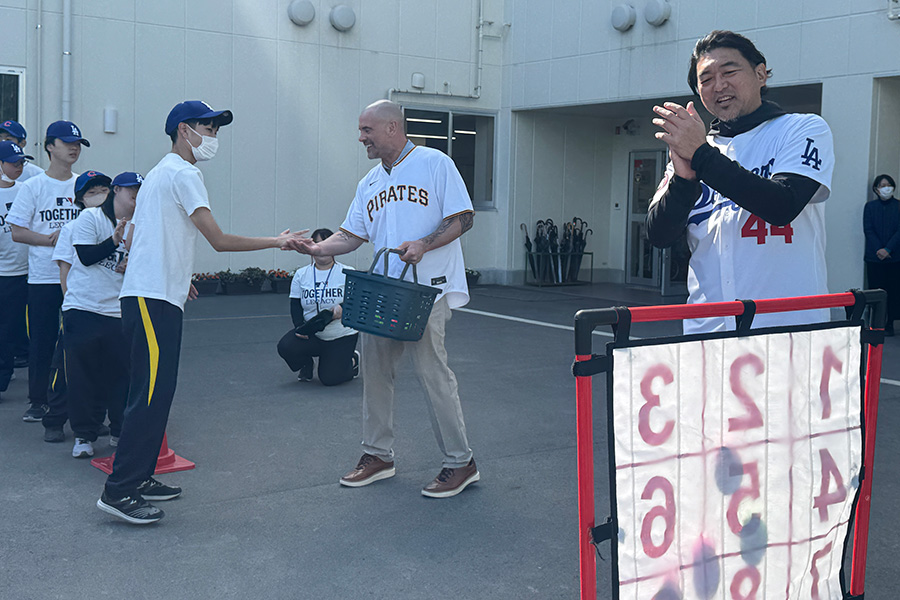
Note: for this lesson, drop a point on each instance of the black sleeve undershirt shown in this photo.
(778, 200)
(91, 254)
(296, 312)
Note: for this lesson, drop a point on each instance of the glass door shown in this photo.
(643, 261)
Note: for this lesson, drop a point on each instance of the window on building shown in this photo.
(11, 93)
(468, 139)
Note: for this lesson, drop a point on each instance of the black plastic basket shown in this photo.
(382, 305)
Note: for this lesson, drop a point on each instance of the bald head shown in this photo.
(381, 131)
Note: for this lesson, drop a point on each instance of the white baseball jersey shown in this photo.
(737, 255)
(44, 205)
(161, 259)
(13, 255)
(409, 203)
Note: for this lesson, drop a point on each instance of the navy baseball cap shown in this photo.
(91, 177)
(196, 110)
(128, 179)
(14, 129)
(11, 153)
(67, 131)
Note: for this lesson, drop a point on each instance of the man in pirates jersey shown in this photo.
(750, 193)
(45, 203)
(416, 201)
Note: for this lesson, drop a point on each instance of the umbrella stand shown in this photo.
(528, 247)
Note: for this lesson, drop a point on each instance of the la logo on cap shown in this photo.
(139, 178)
(75, 131)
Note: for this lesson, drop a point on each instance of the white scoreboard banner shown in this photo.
(737, 465)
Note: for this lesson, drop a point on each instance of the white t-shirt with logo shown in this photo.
(321, 290)
(13, 255)
(44, 205)
(95, 288)
(737, 255)
(161, 259)
(64, 251)
(407, 204)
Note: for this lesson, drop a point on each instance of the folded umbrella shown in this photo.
(528, 247)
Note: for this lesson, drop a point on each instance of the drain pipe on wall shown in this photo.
(67, 61)
(476, 92)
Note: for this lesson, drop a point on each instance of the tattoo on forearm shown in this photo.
(444, 226)
(343, 235)
(466, 220)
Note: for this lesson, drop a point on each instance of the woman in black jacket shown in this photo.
(881, 223)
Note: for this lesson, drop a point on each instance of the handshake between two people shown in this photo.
(342, 242)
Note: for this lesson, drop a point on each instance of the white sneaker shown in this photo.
(82, 448)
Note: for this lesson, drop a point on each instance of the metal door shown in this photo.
(643, 264)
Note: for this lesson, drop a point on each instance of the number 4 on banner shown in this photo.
(825, 497)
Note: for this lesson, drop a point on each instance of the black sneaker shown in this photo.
(154, 490)
(133, 509)
(36, 413)
(355, 363)
(54, 435)
(306, 373)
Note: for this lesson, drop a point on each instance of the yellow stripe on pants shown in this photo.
(152, 346)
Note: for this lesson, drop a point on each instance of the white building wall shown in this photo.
(291, 158)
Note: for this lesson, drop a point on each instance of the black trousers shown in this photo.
(13, 298)
(152, 330)
(887, 277)
(335, 356)
(97, 372)
(57, 390)
(44, 302)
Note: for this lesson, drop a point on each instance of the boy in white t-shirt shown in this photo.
(91, 189)
(172, 209)
(43, 206)
(14, 132)
(13, 261)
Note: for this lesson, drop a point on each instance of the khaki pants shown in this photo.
(380, 357)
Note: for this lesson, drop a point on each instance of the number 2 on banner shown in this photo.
(753, 418)
(756, 227)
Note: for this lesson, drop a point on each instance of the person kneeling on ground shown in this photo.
(317, 292)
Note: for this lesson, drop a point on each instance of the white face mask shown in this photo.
(5, 179)
(885, 192)
(207, 148)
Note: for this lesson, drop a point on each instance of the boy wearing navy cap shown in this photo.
(172, 208)
(45, 203)
(91, 189)
(13, 261)
(13, 131)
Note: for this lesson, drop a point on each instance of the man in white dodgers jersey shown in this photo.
(750, 193)
(416, 201)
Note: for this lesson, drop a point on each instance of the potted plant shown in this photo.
(245, 281)
(280, 280)
(206, 283)
(472, 277)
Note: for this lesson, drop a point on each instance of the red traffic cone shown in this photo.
(168, 461)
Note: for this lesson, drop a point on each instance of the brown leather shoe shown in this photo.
(450, 482)
(368, 470)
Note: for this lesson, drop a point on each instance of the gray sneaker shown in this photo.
(54, 435)
(82, 448)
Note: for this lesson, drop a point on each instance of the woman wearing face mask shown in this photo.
(881, 223)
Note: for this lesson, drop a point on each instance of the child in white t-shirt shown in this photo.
(45, 203)
(13, 261)
(172, 210)
(91, 189)
(96, 364)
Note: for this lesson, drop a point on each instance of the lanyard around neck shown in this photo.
(324, 285)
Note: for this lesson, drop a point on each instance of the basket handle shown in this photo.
(386, 252)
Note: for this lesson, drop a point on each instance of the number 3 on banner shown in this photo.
(667, 512)
(654, 438)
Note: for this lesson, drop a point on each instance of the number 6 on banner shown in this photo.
(667, 512)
